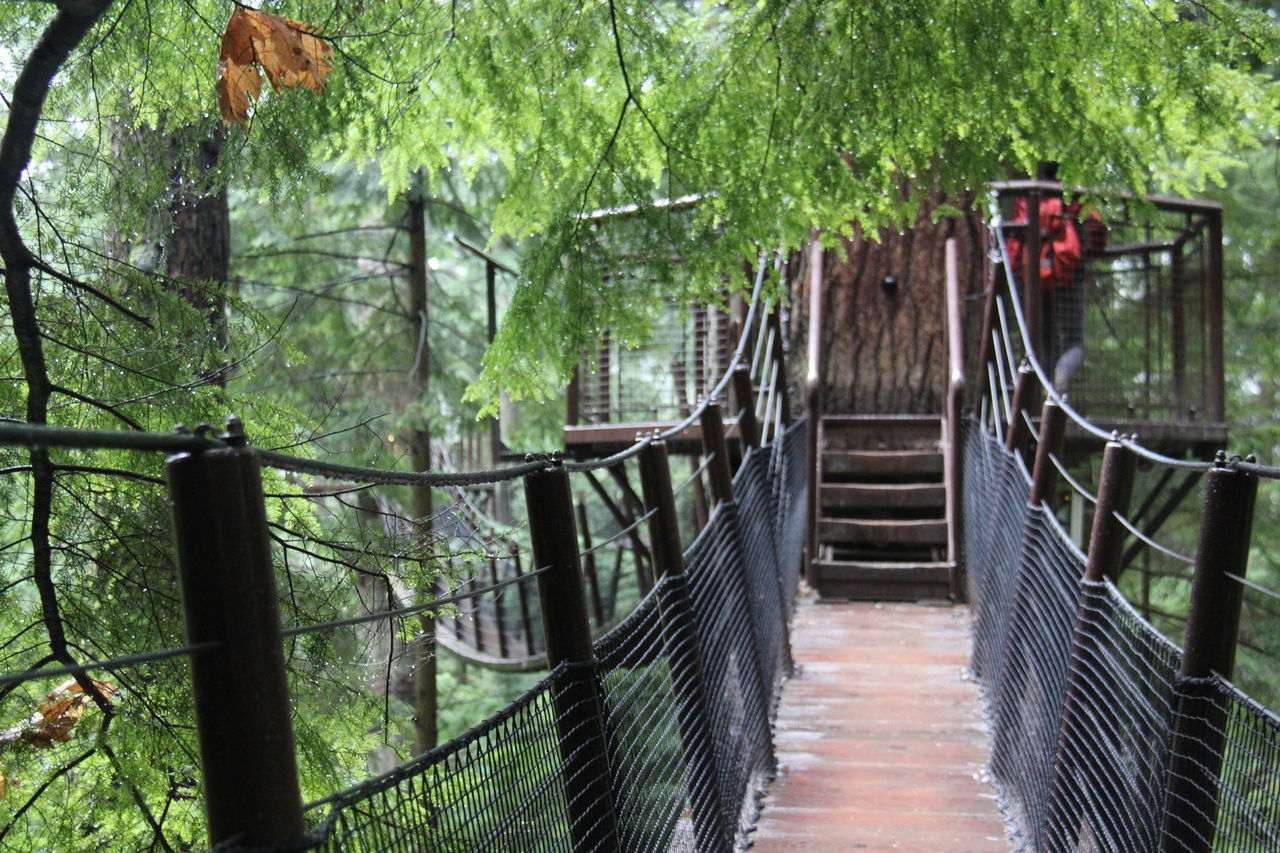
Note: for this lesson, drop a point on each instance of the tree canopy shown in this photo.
(779, 116)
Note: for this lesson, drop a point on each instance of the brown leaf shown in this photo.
(289, 52)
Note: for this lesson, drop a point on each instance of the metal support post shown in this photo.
(716, 449)
(243, 715)
(593, 823)
(710, 817)
(1213, 620)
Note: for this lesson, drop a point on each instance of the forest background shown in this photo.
(299, 266)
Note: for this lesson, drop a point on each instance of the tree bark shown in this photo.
(198, 241)
(884, 346)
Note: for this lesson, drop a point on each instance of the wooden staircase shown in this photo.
(882, 528)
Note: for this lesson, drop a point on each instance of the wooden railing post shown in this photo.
(1115, 489)
(716, 449)
(1053, 421)
(1032, 297)
(1213, 621)
(1025, 393)
(780, 360)
(744, 395)
(692, 709)
(592, 818)
(243, 713)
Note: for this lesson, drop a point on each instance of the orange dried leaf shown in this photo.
(289, 52)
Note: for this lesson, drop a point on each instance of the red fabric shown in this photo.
(1060, 253)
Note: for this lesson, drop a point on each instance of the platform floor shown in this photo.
(881, 738)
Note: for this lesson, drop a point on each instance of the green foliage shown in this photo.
(782, 116)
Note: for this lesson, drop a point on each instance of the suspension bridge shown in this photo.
(694, 699)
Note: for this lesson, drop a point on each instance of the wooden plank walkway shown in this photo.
(881, 740)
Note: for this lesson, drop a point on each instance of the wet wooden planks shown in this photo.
(880, 737)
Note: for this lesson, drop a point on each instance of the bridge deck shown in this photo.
(881, 741)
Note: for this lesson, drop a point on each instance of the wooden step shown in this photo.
(882, 432)
(871, 464)
(871, 581)
(883, 495)
(927, 531)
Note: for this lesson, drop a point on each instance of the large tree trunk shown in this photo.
(884, 342)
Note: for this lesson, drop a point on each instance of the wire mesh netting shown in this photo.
(1113, 743)
(737, 683)
(496, 788)
(757, 515)
(1098, 743)
(1224, 781)
(664, 739)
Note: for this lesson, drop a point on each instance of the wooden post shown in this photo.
(693, 711)
(1053, 421)
(499, 622)
(522, 590)
(588, 783)
(716, 449)
(1214, 319)
(1213, 621)
(573, 398)
(748, 426)
(589, 562)
(1032, 297)
(954, 472)
(243, 714)
(1025, 393)
(813, 409)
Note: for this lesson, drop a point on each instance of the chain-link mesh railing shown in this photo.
(1098, 743)
(686, 703)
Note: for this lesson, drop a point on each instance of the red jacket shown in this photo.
(1060, 254)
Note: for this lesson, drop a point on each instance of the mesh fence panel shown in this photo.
(736, 687)
(756, 516)
(791, 475)
(647, 759)
(996, 489)
(1026, 701)
(496, 788)
(1240, 809)
(1110, 784)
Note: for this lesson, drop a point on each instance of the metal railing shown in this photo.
(1106, 734)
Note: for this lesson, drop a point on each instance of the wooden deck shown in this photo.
(881, 739)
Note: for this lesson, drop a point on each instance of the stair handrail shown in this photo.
(952, 464)
(813, 405)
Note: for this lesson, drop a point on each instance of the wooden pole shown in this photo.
(1213, 622)
(244, 718)
(577, 695)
